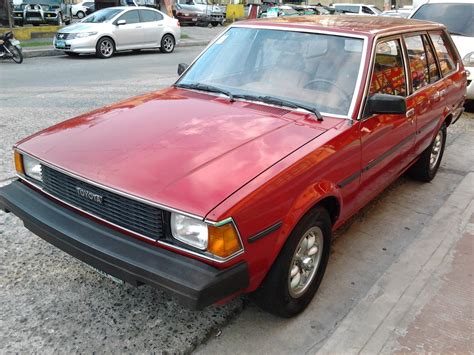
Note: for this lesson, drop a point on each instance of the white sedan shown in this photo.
(118, 29)
(80, 10)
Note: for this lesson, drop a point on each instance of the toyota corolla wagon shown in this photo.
(233, 179)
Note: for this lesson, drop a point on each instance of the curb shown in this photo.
(48, 52)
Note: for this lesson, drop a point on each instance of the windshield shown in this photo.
(102, 15)
(312, 69)
(458, 18)
(376, 10)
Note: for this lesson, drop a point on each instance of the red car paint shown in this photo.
(216, 159)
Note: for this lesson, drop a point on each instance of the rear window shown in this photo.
(458, 18)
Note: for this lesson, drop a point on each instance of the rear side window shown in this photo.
(388, 76)
(348, 8)
(418, 62)
(443, 52)
(433, 67)
(150, 16)
(366, 10)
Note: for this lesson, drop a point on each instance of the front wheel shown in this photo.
(17, 56)
(80, 14)
(167, 44)
(105, 48)
(299, 269)
(429, 161)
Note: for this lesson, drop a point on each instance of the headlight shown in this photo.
(220, 240)
(468, 59)
(28, 166)
(189, 230)
(81, 35)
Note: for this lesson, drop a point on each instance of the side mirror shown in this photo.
(385, 104)
(121, 22)
(182, 67)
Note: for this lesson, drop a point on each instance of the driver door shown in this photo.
(387, 140)
(129, 35)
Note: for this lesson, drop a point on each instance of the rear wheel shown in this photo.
(167, 43)
(17, 56)
(105, 48)
(429, 161)
(80, 14)
(299, 269)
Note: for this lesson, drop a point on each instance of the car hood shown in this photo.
(464, 44)
(180, 148)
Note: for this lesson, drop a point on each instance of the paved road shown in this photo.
(51, 302)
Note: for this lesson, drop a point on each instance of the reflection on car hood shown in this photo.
(180, 148)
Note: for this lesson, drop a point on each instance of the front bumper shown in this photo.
(194, 283)
(84, 45)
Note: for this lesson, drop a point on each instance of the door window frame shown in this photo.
(403, 53)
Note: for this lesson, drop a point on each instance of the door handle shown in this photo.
(410, 113)
(138, 27)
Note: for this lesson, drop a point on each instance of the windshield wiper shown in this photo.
(281, 102)
(457, 33)
(208, 88)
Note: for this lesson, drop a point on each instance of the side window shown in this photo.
(433, 67)
(130, 17)
(366, 10)
(418, 62)
(150, 16)
(444, 53)
(388, 76)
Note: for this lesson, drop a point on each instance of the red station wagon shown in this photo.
(232, 180)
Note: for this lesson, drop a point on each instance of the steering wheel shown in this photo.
(341, 91)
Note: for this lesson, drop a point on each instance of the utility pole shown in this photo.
(9, 13)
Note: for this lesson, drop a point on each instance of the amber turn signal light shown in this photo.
(223, 240)
(19, 163)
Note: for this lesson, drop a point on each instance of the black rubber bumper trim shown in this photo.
(194, 283)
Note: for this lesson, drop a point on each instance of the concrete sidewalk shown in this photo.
(424, 301)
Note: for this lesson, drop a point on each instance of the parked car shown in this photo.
(205, 11)
(279, 11)
(458, 17)
(80, 10)
(358, 9)
(232, 180)
(37, 12)
(403, 13)
(116, 29)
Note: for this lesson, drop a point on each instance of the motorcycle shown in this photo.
(10, 48)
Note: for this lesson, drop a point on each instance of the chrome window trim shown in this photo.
(363, 59)
(204, 255)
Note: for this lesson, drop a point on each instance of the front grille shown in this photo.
(62, 35)
(122, 211)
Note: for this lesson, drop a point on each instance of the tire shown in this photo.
(215, 24)
(428, 163)
(167, 43)
(283, 292)
(80, 14)
(105, 48)
(17, 55)
(72, 54)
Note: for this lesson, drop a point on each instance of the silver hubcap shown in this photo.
(168, 43)
(106, 48)
(305, 261)
(436, 150)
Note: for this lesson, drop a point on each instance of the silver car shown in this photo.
(118, 29)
